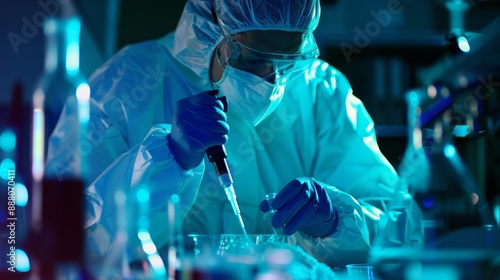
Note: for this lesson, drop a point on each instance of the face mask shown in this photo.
(249, 95)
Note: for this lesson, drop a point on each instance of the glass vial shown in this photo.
(268, 216)
(144, 261)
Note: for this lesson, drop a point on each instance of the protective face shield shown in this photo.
(273, 67)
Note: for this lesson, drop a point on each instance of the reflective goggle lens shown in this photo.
(270, 66)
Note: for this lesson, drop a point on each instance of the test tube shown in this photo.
(268, 216)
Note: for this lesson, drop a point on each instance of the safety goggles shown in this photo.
(273, 67)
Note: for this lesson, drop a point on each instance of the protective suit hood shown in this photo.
(197, 34)
(195, 39)
(286, 15)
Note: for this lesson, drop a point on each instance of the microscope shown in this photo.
(459, 99)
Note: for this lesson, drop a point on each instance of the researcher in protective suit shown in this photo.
(292, 126)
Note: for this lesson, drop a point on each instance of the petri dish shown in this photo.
(228, 244)
(360, 271)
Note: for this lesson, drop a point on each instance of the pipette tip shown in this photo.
(242, 225)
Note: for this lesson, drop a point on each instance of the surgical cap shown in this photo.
(285, 15)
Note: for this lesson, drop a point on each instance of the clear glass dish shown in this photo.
(229, 244)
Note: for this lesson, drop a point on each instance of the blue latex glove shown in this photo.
(199, 122)
(303, 204)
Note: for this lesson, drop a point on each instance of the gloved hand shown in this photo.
(199, 122)
(303, 204)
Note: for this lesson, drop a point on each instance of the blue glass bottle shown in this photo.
(142, 258)
(61, 86)
(57, 192)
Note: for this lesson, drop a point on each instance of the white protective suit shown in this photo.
(320, 129)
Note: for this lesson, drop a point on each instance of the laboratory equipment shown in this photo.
(459, 100)
(457, 38)
(217, 155)
(268, 216)
(143, 259)
(175, 250)
(206, 245)
(360, 271)
(255, 256)
(56, 237)
(225, 256)
(444, 189)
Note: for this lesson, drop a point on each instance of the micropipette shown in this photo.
(217, 155)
